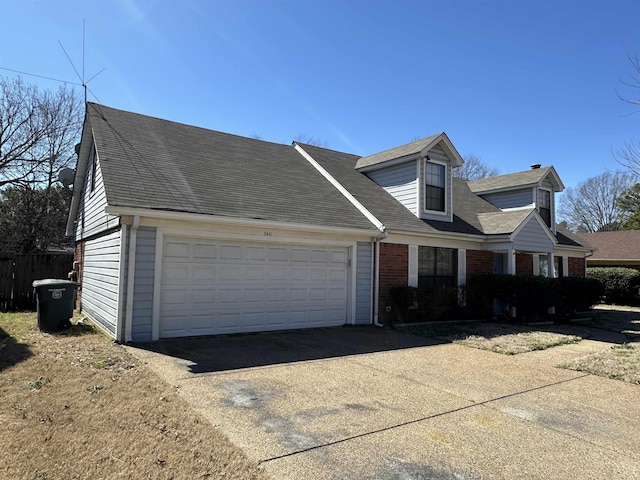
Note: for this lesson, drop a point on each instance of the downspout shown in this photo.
(376, 279)
(131, 273)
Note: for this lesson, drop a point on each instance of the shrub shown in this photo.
(579, 294)
(530, 295)
(620, 284)
(483, 291)
(410, 304)
(402, 299)
(435, 303)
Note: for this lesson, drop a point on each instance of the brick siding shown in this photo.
(394, 272)
(524, 264)
(576, 267)
(479, 262)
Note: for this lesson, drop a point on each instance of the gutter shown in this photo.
(234, 221)
(131, 273)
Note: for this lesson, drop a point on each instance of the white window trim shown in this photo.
(551, 206)
(445, 212)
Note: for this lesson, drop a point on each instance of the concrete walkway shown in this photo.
(366, 403)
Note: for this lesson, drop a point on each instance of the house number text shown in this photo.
(268, 234)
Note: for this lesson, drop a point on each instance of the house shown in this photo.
(613, 249)
(183, 231)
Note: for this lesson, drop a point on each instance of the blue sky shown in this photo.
(512, 82)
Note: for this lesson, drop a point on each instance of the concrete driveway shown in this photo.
(367, 403)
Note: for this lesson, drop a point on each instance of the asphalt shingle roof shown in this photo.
(157, 164)
(151, 163)
(397, 152)
(510, 180)
(497, 223)
(391, 212)
(621, 245)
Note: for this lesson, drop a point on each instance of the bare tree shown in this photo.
(474, 168)
(629, 155)
(310, 140)
(592, 206)
(38, 131)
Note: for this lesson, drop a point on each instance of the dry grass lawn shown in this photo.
(508, 339)
(620, 362)
(75, 405)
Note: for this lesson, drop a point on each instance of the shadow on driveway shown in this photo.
(231, 352)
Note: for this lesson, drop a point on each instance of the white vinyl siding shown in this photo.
(363, 283)
(91, 218)
(100, 279)
(215, 287)
(400, 182)
(532, 238)
(511, 199)
(142, 316)
(436, 155)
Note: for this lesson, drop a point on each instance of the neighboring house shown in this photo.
(613, 249)
(183, 231)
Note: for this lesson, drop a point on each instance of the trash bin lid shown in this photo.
(53, 282)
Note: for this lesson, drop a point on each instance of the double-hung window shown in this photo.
(545, 206)
(437, 267)
(435, 187)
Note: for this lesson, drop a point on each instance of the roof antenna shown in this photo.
(81, 77)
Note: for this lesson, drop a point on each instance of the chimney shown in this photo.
(535, 166)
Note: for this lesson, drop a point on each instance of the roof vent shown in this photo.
(535, 166)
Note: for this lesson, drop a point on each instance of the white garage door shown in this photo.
(213, 287)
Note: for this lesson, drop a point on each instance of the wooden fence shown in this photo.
(18, 272)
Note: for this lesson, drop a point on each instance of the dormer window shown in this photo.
(544, 206)
(435, 186)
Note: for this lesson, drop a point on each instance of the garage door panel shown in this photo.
(230, 295)
(176, 274)
(229, 273)
(319, 256)
(298, 274)
(202, 273)
(298, 295)
(176, 250)
(318, 294)
(230, 252)
(203, 296)
(256, 274)
(337, 295)
(229, 321)
(204, 251)
(175, 297)
(212, 287)
(276, 320)
(339, 257)
(256, 254)
(277, 254)
(318, 275)
(253, 295)
(337, 276)
(254, 321)
(300, 255)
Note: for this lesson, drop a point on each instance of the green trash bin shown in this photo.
(56, 299)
